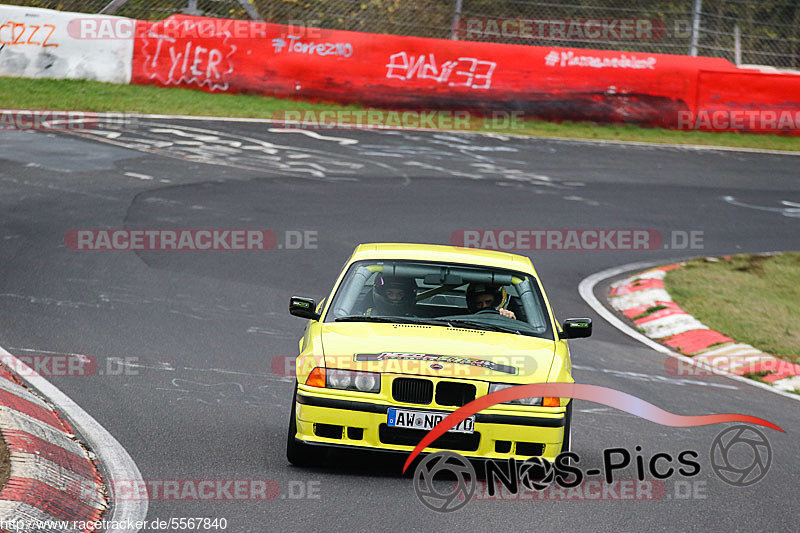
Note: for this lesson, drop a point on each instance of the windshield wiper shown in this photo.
(393, 319)
(385, 319)
(364, 318)
(483, 325)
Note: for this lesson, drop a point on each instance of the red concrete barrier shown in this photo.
(747, 100)
(409, 72)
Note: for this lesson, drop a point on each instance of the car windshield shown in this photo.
(441, 294)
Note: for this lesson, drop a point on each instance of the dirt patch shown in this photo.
(5, 463)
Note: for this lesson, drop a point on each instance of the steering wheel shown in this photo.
(487, 312)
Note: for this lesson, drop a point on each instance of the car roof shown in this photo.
(444, 254)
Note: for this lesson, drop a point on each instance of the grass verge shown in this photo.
(18, 93)
(752, 298)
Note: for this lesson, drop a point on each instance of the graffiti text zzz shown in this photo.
(15, 33)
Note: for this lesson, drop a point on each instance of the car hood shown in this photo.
(437, 351)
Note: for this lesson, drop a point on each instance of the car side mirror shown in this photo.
(577, 328)
(303, 307)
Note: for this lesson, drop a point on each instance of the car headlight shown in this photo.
(494, 387)
(352, 380)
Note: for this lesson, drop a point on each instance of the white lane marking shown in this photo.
(314, 135)
(49, 301)
(118, 464)
(513, 174)
(581, 199)
(139, 176)
(263, 331)
(223, 371)
(791, 210)
(83, 357)
(106, 134)
(442, 170)
(498, 136)
(602, 411)
(219, 147)
(586, 290)
(168, 367)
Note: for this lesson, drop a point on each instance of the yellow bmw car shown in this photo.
(412, 332)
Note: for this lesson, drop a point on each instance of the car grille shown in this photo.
(412, 390)
(411, 437)
(454, 393)
(420, 391)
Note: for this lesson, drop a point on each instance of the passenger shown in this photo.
(482, 296)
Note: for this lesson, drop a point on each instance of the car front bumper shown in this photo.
(330, 419)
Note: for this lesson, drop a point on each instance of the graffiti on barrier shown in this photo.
(569, 59)
(175, 62)
(19, 33)
(462, 72)
(293, 44)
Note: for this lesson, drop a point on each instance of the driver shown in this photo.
(393, 296)
(481, 296)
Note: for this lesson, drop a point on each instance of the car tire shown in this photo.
(567, 446)
(298, 452)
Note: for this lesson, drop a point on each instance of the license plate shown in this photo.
(425, 420)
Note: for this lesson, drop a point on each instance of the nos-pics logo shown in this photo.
(456, 486)
(446, 481)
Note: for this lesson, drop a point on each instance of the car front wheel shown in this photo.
(298, 452)
(566, 445)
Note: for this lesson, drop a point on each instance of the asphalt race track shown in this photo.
(199, 398)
